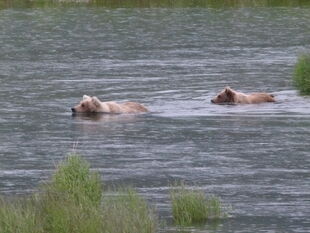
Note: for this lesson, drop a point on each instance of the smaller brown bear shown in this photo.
(229, 95)
(94, 105)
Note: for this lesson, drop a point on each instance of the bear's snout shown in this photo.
(73, 109)
(212, 101)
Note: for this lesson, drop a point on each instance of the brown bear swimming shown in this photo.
(229, 95)
(94, 105)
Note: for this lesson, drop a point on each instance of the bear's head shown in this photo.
(87, 105)
(225, 96)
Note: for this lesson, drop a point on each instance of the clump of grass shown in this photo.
(302, 74)
(74, 180)
(193, 207)
(128, 212)
(71, 201)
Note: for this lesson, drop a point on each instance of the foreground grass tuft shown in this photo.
(18, 216)
(192, 206)
(302, 74)
(128, 212)
(74, 179)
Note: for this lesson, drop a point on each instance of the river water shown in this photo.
(254, 157)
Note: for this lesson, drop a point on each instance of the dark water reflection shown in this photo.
(255, 157)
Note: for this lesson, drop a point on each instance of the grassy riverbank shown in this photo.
(76, 201)
(155, 3)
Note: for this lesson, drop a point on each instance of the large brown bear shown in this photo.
(229, 95)
(94, 105)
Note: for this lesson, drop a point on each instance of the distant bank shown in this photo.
(154, 3)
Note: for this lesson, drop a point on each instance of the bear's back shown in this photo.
(133, 107)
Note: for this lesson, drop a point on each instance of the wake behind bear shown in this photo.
(94, 105)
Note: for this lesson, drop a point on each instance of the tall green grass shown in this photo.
(128, 212)
(193, 207)
(302, 74)
(73, 202)
(18, 216)
(74, 179)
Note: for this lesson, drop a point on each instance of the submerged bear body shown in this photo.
(229, 95)
(94, 105)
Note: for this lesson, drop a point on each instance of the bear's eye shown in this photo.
(219, 96)
(83, 105)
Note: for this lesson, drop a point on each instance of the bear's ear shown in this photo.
(230, 94)
(95, 101)
(228, 89)
(85, 97)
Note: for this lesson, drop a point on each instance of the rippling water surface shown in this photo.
(255, 157)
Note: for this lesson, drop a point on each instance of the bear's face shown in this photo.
(226, 96)
(87, 105)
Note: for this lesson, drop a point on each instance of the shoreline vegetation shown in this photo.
(302, 74)
(74, 200)
(154, 3)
